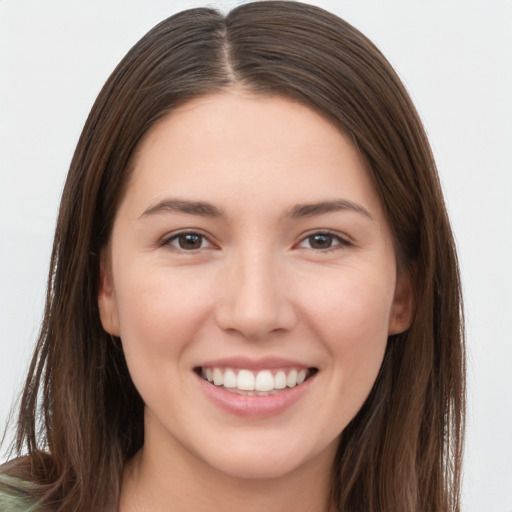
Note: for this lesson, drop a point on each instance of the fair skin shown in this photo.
(253, 280)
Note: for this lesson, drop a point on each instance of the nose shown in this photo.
(253, 298)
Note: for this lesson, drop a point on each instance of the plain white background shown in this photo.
(455, 57)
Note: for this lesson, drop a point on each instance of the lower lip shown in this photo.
(255, 406)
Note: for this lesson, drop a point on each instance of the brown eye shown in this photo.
(324, 241)
(188, 241)
(320, 241)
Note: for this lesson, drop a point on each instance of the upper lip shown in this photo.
(265, 363)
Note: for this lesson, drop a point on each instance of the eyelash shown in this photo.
(341, 242)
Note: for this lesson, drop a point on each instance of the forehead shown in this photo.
(240, 148)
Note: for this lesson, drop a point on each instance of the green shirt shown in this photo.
(15, 495)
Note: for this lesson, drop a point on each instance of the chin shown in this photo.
(258, 467)
(260, 460)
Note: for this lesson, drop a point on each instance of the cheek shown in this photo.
(352, 310)
(351, 319)
(159, 314)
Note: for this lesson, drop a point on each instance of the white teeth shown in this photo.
(262, 383)
(218, 378)
(229, 379)
(291, 379)
(245, 380)
(280, 380)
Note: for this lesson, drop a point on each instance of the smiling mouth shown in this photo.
(255, 383)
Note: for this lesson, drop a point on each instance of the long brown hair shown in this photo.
(81, 417)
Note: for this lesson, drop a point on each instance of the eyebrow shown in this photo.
(201, 208)
(205, 209)
(312, 209)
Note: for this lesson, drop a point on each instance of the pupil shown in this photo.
(321, 241)
(190, 241)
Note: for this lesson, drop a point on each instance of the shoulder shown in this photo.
(16, 492)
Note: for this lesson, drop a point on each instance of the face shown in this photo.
(252, 279)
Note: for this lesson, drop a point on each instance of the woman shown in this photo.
(254, 300)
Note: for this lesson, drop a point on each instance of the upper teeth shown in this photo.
(263, 380)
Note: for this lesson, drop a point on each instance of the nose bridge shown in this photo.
(253, 299)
